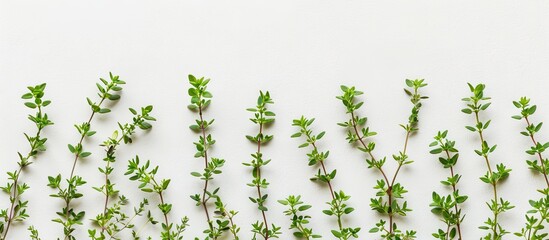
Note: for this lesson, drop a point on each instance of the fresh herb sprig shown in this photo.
(69, 216)
(338, 205)
(112, 220)
(146, 175)
(477, 103)
(299, 221)
(33, 233)
(534, 225)
(116, 220)
(262, 117)
(200, 100)
(389, 191)
(448, 207)
(15, 188)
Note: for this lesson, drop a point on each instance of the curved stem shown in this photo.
(14, 195)
(328, 182)
(156, 185)
(386, 179)
(107, 182)
(454, 188)
(124, 227)
(206, 163)
(323, 166)
(302, 229)
(494, 185)
(76, 157)
(544, 172)
(404, 153)
(258, 172)
(232, 224)
(166, 221)
(106, 198)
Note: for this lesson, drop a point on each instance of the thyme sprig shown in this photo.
(112, 220)
(33, 233)
(448, 206)
(200, 100)
(262, 117)
(389, 191)
(15, 188)
(146, 175)
(338, 206)
(69, 216)
(540, 164)
(477, 103)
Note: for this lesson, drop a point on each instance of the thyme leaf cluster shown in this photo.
(448, 207)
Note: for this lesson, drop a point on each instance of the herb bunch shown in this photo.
(15, 188)
(477, 103)
(200, 100)
(389, 191)
(448, 207)
(338, 205)
(262, 117)
(112, 220)
(146, 175)
(69, 216)
(540, 164)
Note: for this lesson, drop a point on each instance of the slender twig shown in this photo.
(448, 207)
(475, 104)
(200, 100)
(111, 144)
(338, 205)
(540, 158)
(206, 164)
(262, 117)
(14, 195)
(149, 184)
(454, 189)
(533, 225)
(490, 175)
(387, 186)
(17, 209)
(258, 174)
(69, 217)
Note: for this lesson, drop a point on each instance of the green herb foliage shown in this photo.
(69, 216)
(17, 211)
(146, 176)
(338, 205)
(538, 216)
(477, 103)
(262, 117)
(113, 220)
(200, 100)
(448, 207)
(389, 191)
(33, 233)
(299, 221)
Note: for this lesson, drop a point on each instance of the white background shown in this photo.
(301, 51)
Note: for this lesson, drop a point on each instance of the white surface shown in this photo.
(301, 51)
